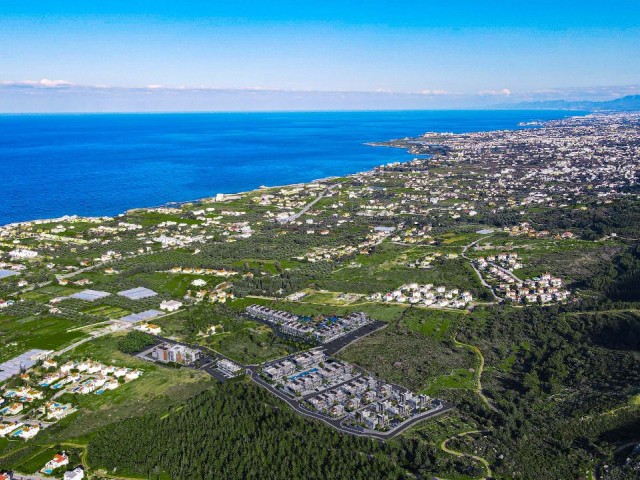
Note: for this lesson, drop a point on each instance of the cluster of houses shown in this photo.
(414, 235)
(426, 295)
(543, 289)
(86, 376)
(308, 373)
(365, 247)
(319, 329)
(338, 389)
(220, 294)
(384, 406)
(218, 272)
(508, 260)
(525, 229)
(371, 403)
(424, 262)
(18, 429)
(32, 406)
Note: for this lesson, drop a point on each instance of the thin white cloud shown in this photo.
(433, 92)
(505, 92)
(45, 83)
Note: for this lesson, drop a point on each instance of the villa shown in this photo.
(7, 427)
(27, 432)
(58, 460)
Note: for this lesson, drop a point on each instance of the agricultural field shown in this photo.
(43, 332)
(106, 311)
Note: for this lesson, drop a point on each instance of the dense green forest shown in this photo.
(135, 341)
(238, 430)
(557, 372)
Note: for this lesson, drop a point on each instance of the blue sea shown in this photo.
(104, 164)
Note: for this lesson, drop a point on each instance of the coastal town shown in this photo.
(298, 289)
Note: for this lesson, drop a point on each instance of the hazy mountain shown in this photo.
(623, 104)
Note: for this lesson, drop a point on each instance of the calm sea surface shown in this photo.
(54, 165)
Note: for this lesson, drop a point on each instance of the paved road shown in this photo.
(33, 476)
(295, 216)
(505, 271)
(482, 280)
(333, 347)
(91, 337)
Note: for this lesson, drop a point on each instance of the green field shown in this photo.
(255, 343)
(37, 331)
(435, 324)
(107, 311)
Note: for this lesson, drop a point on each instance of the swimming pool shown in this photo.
(303, 374)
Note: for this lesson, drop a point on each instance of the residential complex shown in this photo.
(320, 330)
(343, 391)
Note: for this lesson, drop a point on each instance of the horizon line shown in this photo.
(187, 112)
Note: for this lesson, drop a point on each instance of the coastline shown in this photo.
(180, 203)
(37, 221)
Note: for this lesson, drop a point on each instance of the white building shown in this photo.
(77, 474)
(170, 305)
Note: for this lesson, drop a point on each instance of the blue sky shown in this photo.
(90, 55)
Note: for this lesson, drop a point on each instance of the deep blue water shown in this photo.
(96, 164)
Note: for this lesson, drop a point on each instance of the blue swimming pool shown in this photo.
(303, 374)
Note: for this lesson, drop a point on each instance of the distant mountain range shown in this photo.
(623, 104)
